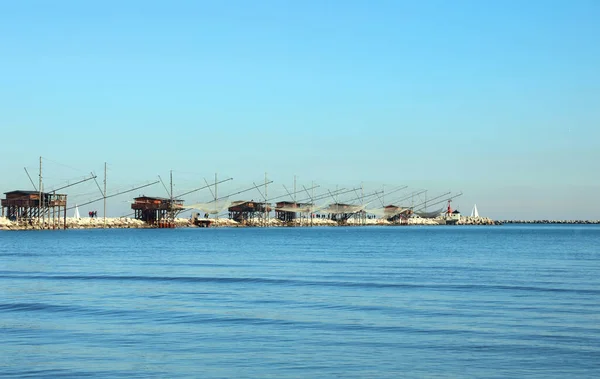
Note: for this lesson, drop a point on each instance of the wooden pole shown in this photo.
(266, 202)
(312, 197)
(216, 197)
(171, 214)
(40, 191)
(362, 203)
(104, 195)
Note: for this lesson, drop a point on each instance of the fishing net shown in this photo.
(431, 214)
(300, 208)
(388, 212)
(213, 207)
(343, 208)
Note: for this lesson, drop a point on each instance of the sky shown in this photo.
(499, 100)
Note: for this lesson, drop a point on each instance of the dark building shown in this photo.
(396, 214)
(28, 206)
(157, 211)
(285, 211)
(342, 212)
(242, 211)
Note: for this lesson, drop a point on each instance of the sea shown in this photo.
(511, 301)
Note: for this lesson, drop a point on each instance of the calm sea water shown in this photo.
(372, 302)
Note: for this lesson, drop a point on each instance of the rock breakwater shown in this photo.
(477, 221)
(130, 223)
(551, 221)
(75, 223)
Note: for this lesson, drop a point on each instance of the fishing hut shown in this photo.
(157, 211)
(396, 215)
(306, 210)
(286, 211)
(29, 207)
(289, 211)
(243, 211)
(340, 212)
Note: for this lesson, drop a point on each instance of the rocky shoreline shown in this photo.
(467, 220)
(550, 221)
(130, 223)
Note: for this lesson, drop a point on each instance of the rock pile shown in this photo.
(551, 222)
(5, 223)
(75, 223)
(467, 220)
(126, 223)
(93, 223)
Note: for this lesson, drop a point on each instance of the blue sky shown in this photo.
(497, 99)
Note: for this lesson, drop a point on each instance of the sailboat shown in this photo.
(475, 212)
(76, 214)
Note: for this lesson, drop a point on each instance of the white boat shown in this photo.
(475, 212)
(76, 214)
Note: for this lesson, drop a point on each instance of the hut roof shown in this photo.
(154, 198)
(286, 202)
(22, 192)
(29, 193)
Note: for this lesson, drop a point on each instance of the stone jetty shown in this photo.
(551, 221)
(468, 220)
(130, 223)
(75, 223)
